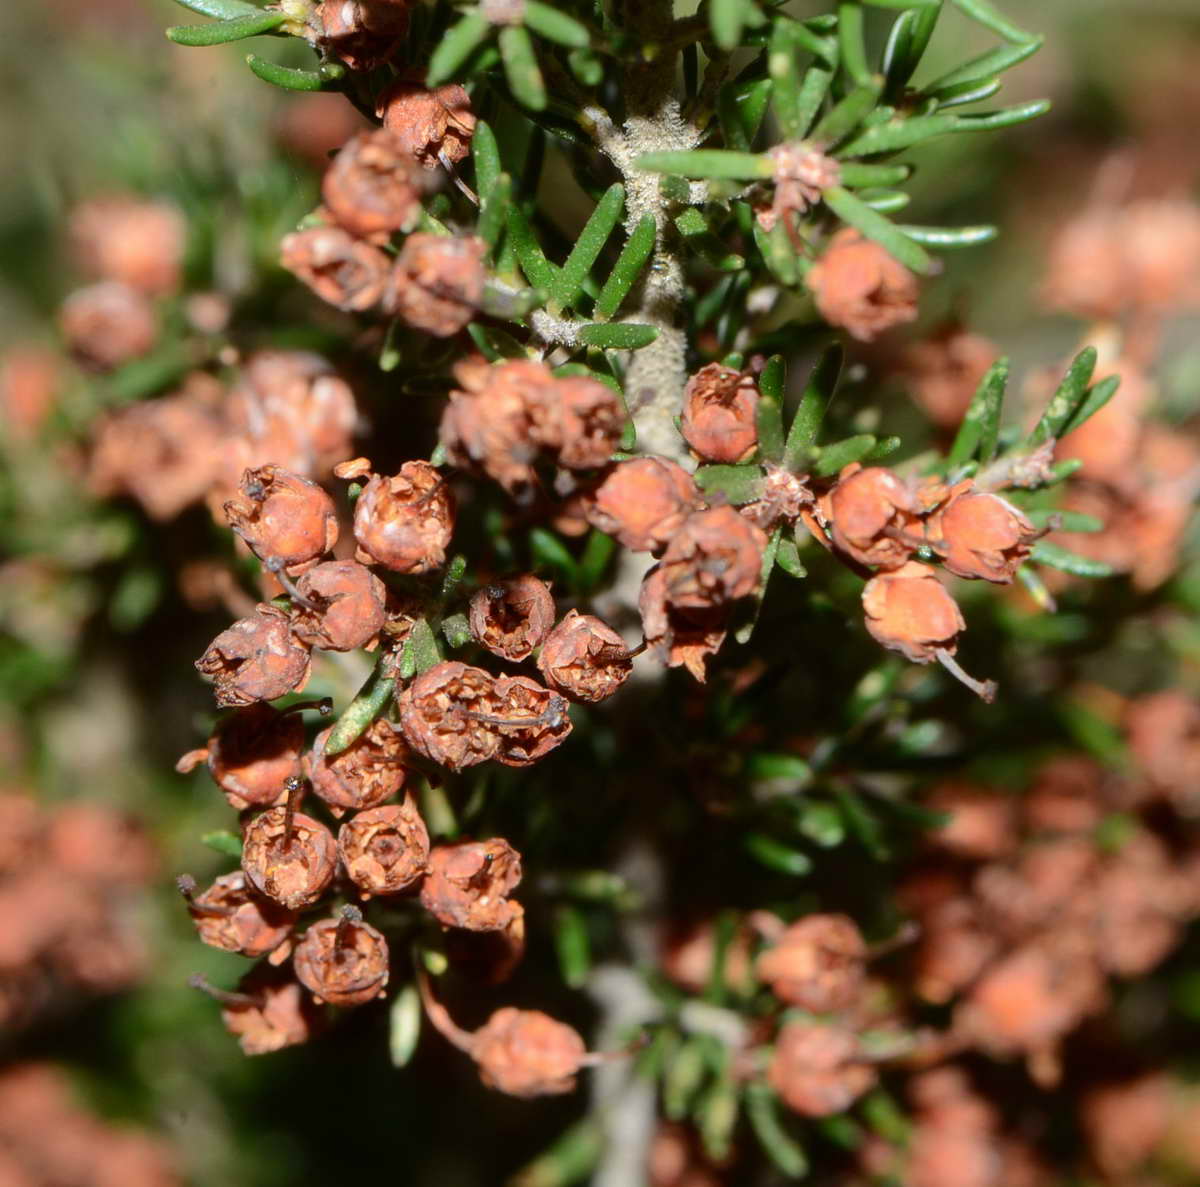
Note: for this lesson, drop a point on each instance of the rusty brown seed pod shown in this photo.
(229, 915)
(289, 857)
(284, 517)
(468, 884)
(404, 522)
(510, 618)
(344, 606)
(256, 659)
(584, 658)
(342, 961)
(384, 850)
(369, 771)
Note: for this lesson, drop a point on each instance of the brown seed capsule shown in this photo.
(643, 502)
(443, 715)
(370, 770)
(434, 126)
(342, 961)
(818, 1070)
(875, 517)
(256, 659)
(488, 957)
(270, 1011)
(30, 379)
(139, 244)
(405, 522)
(289, 857)
(861, 288)
(384, 850)
(284, 518)
(818, 964)
(981, 535)
(346, 606)
(531, 720)
(343, 271)
(680, 637)
(586, 425)
(584, 659)
(229, 915)
(527, 1053)
(468, 885)
(372, 188)
(510, 618)
(361, 33)
(436, 282)
(979, 825)
(908, 610)
(252, 754)
(944, 370)
(108, 324)
(714, 559)
(719, 410)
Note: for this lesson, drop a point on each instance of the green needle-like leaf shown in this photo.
(898, 134)
(787, 557)
(833, 457)
(538, 270)
(905, 47)
(778, 252)
(994, 62)
(494, 213)
(727, 18)
(361, 711)
(967, 92)
(741, 107)
(555, 25)
(739, 484)
(1065, 521)
(1067, 399)
(886, 201)
(1006, 117)
(817, 81)
(980, 429)
(769, 416)
(404, 1025)
(788, 41)
(990, 17)
(875, 226)
(818, 391)
(902, 3)
(855, 176)
(618, 336)
(852, 42)
(485, 152)
(588, 247)
(849, 113)
(224, 842)
(1046, 553)
(762, 1108)
(294, 80)
(220, 32)
(637, 250)
(224, 10)
(421, 650)
(708, 162)
(948, 237)
(521, 69)
(697, 235)
(777, 856)
(1097, 397)
(459, 43)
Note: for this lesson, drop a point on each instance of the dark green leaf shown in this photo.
(856, 176)
(494, 213)
(818, 391)
(727, 18)
(235, 29)
(832, 458)
(495, 344)
(588, 246)
(697, 236)
(459, 43)
(637, 250)
(787, 557)
(587, 66)
(521, 69)
(740, 109)
(538, 270)
(224, 10)
(875, 226)
(852, 42)
(817, 80)
(822, 824)
(597, 553)
(485, 152)
(980, 429)
(883, 448)
(555, 25)
(1097, 397)
(708, 162)
(990, 17)
(778, 252)
(862, 823)
(848, 114)
(776, 856)
(897, 134)
(224, 842)
(948, 237)
(1068, 399)
(739, 484)
(549, 552)
(366, 706)
(572, 945)
(1006, 117)
(618, 336)
(289, 79)
(762, 1108)
(769, 418)
(886, 201)
(968, 92)
(994, 62)
(906, 46)
(744, 633)
(1045, 553)
(421, 651)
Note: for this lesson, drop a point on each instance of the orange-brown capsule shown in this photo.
(531, 720)
(372, 187)
(858, 286)
(944, 370)
(289, 857)
(435, 126)
(444, 715)
(139, 244)
(818, 964)
(370, 770)
(585, 426)
(384, 850)
(715, 558)
(527, 1053)
(363, 34)
(342, 961)
(512, 617)
(108, 324)
(288, 520)
(229, 915)
(643, 502)
(345, 272)
(270, 1011)
(981, 535)
(584, 658)
(818, 1069)
(344, 607)
(256, 659)
(468, 885)
(436, 282)
(251, 755)
(680, 637)
(404, 522)
(908, 610)
(875, 517)
(720, 406)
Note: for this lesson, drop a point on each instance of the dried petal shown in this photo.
(818, 964)
(818, 1070)
(441, 711)
(256, 659)
(436, 282)
(714, 559)
(874, 517)
(372, 187)
(527, 1053)
(510, 618)
(981, 535)
(229, 915)
(253, 753)
(643, 502)
(584, 659)
(279, 1014)
(347, 607)
(680, 637)
(343, 271)
(285, 518)
(719, 410)
(432, 125)
(405, 522)
(108, 324)
(861, 288)
(908, 610)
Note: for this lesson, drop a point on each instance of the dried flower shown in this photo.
(818, 1070)
(404, 522)
(94, 843)
(468, 884)
(714, 559)
(372, 187)
(908, 610)
(488, 957)
(784, 498)
(29, 384)
(434, 126)
(251, 755)
(527, 1053)
(818, 964)
(384, 850)
(288, 520)
(719, 410)
(980, 823)
(370, 770)
(139, 244)
(436, 282)
(229, 915)
(108, 324)
(680, 637)
(344, 607)
(343, 271)
(362, 33)
(861, 288)
(443, 715)
(530, 720)
(270, 1011)
(584, 659)
(981, 535)
(510, 618)
(1085, 271)
(944, 370)
(802, 173)
(256, 659)
(289, 857)
(643, 502)
(583, 425)
(874, 516)
(1125, 1122)
(1163, 729)
(342, 961)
